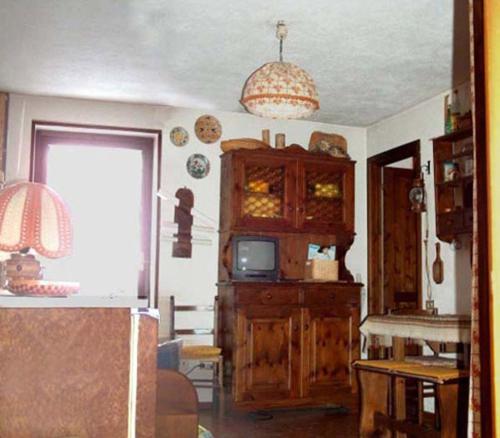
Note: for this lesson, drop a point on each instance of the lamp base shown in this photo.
(24, 266)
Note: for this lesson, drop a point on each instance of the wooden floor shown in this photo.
(300, 423)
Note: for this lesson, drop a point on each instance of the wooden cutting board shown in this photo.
(437, 266)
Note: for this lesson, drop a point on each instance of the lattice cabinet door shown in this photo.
(265, 195)
(326, 196)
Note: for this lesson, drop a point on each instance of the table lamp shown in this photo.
(33, 216)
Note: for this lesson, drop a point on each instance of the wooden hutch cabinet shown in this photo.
(453, 179)
(291, 341)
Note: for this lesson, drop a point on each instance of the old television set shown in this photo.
(255, 258)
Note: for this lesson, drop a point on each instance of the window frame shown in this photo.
(144, 140)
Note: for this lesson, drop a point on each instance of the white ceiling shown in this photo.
(370, 58)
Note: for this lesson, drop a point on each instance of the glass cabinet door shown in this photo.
(266, 193)
(327, 198)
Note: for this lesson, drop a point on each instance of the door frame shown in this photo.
(374, 207)
(483, 15)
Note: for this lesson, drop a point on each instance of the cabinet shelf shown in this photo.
(453, 199)
(456, 182)
(454, 136)
(262, 194)
(461, 155)
(323, 198)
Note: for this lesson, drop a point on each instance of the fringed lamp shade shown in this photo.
(280, 90)
(32, 215)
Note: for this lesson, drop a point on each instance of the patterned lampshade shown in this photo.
(32, 215)
(280, 90)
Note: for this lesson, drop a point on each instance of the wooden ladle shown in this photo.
(437, 266)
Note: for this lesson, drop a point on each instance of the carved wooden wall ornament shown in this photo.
(184, 219)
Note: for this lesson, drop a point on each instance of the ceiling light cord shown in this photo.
(281, 33)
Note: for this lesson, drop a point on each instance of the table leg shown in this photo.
(452, 401)
(374, 393)
(398, 353)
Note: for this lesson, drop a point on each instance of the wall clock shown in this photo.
(208, 129)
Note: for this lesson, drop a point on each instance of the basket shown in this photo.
(326, 270)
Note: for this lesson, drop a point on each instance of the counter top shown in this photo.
(339, 283)
(10, 300)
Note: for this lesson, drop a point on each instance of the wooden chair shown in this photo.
(204, 355)
(176, 406)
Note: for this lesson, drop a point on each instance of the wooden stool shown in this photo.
(377, 379)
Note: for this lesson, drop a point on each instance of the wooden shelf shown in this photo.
(456, 182)
(261, 194)
(325, 198)
(454, 136)
(452, 197)
(461, 154)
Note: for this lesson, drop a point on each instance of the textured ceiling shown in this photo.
(370, 59)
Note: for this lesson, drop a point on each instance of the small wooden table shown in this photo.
(394, 330)
(376, 378)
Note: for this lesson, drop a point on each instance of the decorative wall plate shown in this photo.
(208, 129)
(198, 166)
(179, 136)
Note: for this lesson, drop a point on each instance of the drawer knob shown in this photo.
(269, 296)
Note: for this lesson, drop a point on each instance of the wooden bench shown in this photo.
(377, 382)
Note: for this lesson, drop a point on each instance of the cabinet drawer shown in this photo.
(267, 295)
(330, 297)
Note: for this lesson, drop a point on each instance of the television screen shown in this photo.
(255, 256)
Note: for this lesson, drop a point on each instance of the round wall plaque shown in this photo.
(198, 166)
(179, 136)
(208, 129)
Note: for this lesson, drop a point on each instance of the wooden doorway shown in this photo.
(394, 231)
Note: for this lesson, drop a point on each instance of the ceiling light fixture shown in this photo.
(280, 90)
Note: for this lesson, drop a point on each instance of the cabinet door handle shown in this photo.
(269, 295)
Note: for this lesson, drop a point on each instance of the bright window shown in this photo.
(106, 182)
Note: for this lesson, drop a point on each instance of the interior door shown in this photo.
(268, 354)
(401, 240)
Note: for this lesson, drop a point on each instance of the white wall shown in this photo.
(424, 122)
(191, 280)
